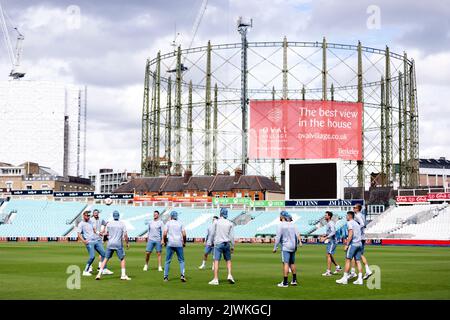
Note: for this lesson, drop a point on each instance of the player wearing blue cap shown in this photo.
(174, 238)
(154, 237)
(222, 238)
(116, 231)
(208, 247)
(289, 238)
(88, 235)
(330, 239)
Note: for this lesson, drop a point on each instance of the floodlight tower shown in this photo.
(243, 24)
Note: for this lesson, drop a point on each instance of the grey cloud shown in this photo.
(411, 24)
(109, 55)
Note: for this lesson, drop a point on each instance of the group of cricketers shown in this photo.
(219, 241)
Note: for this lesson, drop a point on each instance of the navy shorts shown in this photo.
(120, 253)
(354, 251)
(208, 249)
(222, 249)
(288, 257)
(152, 245)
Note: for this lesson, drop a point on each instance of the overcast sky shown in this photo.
(107, 52)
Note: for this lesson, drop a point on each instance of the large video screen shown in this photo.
(305, 129)
(313, 181)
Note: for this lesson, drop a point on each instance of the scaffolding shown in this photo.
(210, 124)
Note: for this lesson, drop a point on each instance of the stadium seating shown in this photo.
(266, 222)
(395, 217)
(437, 228)
(262, 223)
(340, 224)
(31, 218)
(196, 221)
(35, 218)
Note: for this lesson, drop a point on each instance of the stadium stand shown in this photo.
(196, 221)
(380, 195)
(340, 224)
(436, 228)
(40, 218)
(32, 218)
(262, 223)
(394, 218)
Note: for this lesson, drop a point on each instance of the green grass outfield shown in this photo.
(38, 271)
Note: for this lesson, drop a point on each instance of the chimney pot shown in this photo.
(187, 176)
(237, 174)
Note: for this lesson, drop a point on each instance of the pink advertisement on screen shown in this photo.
(302, 129)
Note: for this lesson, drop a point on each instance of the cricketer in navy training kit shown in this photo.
(208, 248)
(117, 232)
(88, 235)
(330, 240)
(154, 238)
(174, 238)
(222, 238)
(289, 238)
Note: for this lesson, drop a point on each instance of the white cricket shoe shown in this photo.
(230, 279)
(145, 268)
(87, 274)
(107, 272)
(342, 280)
(282, 285)
(352, 276)
(214, 282)
(125, 277)
(327, 274)
(367, 275)
(160, 269)
(359, 281)
(337, 270)
(202, 267)
(90, 269)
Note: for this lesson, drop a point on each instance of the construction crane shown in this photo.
(194, 30)
(197, 22)
(14, 55)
